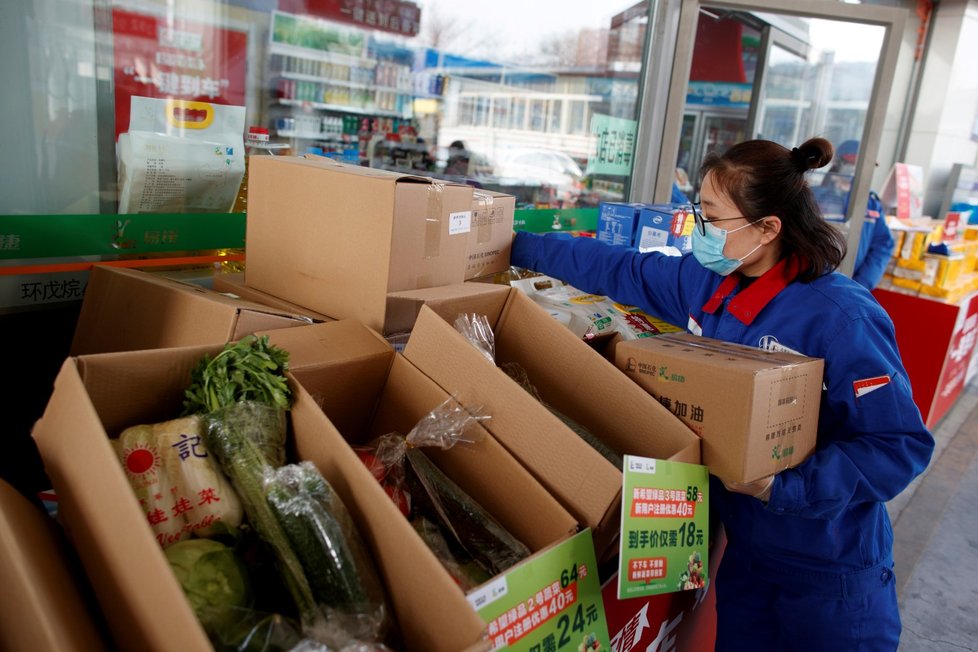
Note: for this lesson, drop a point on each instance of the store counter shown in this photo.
(937, 343)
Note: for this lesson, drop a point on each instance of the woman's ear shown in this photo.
(770, 228)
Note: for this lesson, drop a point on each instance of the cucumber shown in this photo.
(330, 550)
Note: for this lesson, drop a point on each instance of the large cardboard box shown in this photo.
(572, 378)
(343, 367)
(338, 238)
(491, 237)
(448, 301)
(756, 411)
(45, 603)
(127, 309)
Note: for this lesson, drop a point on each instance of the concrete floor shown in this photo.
(936, 539)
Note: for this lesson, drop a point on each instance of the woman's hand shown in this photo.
(760, 489)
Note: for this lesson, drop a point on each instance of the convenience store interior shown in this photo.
(567, 108)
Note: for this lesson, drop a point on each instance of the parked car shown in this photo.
(547, 166)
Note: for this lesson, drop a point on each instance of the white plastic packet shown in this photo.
(180, 156)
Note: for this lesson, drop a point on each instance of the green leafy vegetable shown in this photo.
(250, 369)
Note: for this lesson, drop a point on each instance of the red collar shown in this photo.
(749, 303)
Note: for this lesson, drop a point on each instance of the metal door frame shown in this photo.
(665, 78)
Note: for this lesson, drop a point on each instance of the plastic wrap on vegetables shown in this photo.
(489, 543)
(435, 496)
(139, 453)
(336, 562)
(476, 329)
(460, 565)
(516, 371)
(204, 493)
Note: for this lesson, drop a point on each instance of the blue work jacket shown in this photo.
(828, 512)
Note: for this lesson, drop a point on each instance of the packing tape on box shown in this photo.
(484, 225)
(433, 221)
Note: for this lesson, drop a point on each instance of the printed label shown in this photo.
(459, 222)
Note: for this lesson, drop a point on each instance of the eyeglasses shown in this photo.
(701, 221)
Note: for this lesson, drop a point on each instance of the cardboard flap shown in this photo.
(104, 521)
(126, 309)
(581, 480)
(328, 342)
(448, 301)
(580, 383)
(46, 605)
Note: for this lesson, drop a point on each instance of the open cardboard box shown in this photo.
(571, 377)
(127, 310)
(339, 238)
(46, 597)
(97, 396)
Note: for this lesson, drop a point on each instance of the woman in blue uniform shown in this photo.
(808, 563)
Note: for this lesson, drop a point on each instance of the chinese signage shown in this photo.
(664, 530)
(548, 604)
(395, 16)
(615, 138)
(171, 57)
(954, 375)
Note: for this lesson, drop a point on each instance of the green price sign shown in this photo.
(664, 527)
(549, 603)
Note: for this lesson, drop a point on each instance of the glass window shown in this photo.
(151, 106)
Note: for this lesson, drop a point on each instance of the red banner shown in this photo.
(396, 16)
(158, 56)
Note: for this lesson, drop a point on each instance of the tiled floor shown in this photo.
(936, 547)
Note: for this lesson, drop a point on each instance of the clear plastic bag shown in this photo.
(475, 328)
(335, 559)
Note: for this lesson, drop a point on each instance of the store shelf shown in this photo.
(320, 55)
(298, 76)
(315, 135)
(340, 108)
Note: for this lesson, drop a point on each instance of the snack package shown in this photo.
(180, 156)
(590, 315)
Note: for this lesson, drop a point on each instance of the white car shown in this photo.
(548, 166)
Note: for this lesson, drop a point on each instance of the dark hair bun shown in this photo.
(813, 153)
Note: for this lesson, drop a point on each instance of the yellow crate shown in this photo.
(942, 271)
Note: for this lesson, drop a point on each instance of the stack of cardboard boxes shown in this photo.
(337, 258)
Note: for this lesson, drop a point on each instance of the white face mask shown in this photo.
(708, 249)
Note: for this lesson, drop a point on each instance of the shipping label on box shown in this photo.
(617, 222)
(755, 411)
(665, 226)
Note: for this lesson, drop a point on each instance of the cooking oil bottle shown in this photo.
(256, 144)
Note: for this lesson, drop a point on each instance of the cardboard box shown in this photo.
(448, 301)
(756, 411)
(663, 225)
(126, 310)
(234, 284)
(339, 238)
(343, 367)
(491, 237)
(617, 222)
(46, 603)
(572, 378)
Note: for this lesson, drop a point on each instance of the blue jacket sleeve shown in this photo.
(874, 443)
(653, 282)
(870, 270)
